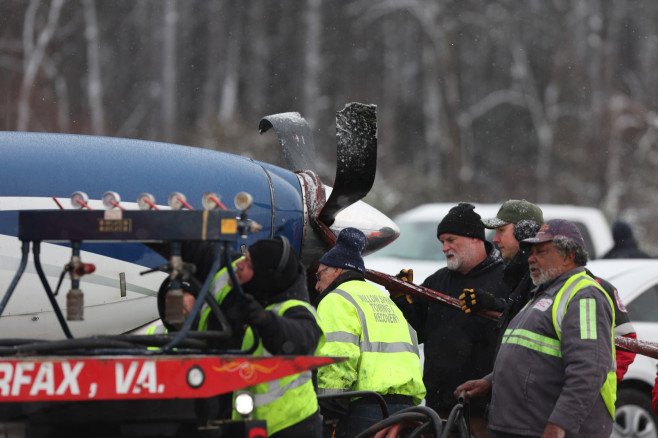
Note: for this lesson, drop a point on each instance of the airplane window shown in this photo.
(645, 307)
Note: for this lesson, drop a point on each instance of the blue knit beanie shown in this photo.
(346, 253)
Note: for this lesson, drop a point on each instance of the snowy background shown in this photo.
(554, 101)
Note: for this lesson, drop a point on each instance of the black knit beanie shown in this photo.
(462, 221)
(266, 257)
(346, 253)
(622, 233)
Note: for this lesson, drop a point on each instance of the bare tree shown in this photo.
(94, 79)
(170, 61)
(215, 25)
(312, 60)
(230, 84)
(479, 100)
(34, 51)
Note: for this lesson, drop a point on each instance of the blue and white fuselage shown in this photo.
(37, 167)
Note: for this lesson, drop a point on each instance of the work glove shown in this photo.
(475, 300)
(404, 275)
(254, 314)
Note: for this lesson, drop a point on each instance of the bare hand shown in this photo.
(474, 388)
(553, 431)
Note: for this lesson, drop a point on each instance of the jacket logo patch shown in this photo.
(620, 303)
(543, 304)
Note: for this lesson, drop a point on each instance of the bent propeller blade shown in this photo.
(356, 140)
(295, 137)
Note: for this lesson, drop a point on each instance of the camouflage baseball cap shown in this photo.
(514, 211)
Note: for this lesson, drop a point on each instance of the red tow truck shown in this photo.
(128, 385)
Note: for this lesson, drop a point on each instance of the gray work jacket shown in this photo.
(539, 378)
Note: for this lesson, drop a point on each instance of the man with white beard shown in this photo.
(554, 375)
(458, 347)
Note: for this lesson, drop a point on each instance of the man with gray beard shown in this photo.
(458, 347)
(554, 375)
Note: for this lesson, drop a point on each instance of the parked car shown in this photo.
(637, 283)
(419, 249)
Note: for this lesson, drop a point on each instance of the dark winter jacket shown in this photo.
(458, 347)
(297, 324)
(625, 244)
(626, 250)
(517, 278)
(297, 331)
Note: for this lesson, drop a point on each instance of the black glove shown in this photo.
(474, 300)
(253, 313)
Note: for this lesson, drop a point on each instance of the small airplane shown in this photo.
(42, 171)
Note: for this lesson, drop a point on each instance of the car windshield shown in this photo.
(417, 241)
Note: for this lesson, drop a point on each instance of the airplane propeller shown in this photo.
(356, 141)
(356, 163)
(295, 137)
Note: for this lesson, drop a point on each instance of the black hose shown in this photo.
(67, 345)
(226, 331)
(193, 341)
(420, 430)
(456, 417)
(428, 418)
(197, 304)
(237, 288)
(392, 420)
(25, 251)
(36, 251)
(436, 420)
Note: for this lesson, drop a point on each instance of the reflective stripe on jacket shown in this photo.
(551, 346)
(557, 362)
(588, 322)
(219, 288)
(286, 401)
(156, 330)
(363, 324)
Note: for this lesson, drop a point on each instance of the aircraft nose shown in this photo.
(380, 230)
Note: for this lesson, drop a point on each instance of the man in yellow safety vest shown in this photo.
(364, 325)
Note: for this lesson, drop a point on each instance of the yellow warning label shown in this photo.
(229, 226)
